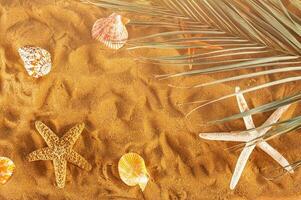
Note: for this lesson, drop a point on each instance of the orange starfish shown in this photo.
(60, 151)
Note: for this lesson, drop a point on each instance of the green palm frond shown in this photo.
(222, 36)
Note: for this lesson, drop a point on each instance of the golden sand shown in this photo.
(125, 110)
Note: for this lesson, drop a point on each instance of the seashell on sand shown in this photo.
(37, 61)
(132, 170)
(7, 167)
(111, 31)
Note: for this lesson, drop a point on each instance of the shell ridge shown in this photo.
(111, 31)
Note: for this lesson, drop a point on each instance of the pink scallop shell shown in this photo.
(111, 31)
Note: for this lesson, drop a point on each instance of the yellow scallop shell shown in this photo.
(132, 170)
(7, 167)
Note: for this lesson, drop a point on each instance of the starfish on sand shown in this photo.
(248, 136)
(60, 151)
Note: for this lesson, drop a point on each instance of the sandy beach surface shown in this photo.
(125, 109)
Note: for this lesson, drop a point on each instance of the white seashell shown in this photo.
(111, 31)
(37, 61)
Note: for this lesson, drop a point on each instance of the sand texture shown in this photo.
(125, 110)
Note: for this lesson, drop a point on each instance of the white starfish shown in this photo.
(248, 136)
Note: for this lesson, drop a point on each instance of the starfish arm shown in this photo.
(243, 106)
(72, 135)
(47, 134)
(240, 165)
(235, 137)
(41, 154)
(276, 156)
(273, 119)
(60, 166)
(76, 159)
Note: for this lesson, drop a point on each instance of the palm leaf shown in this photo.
(226, 35)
